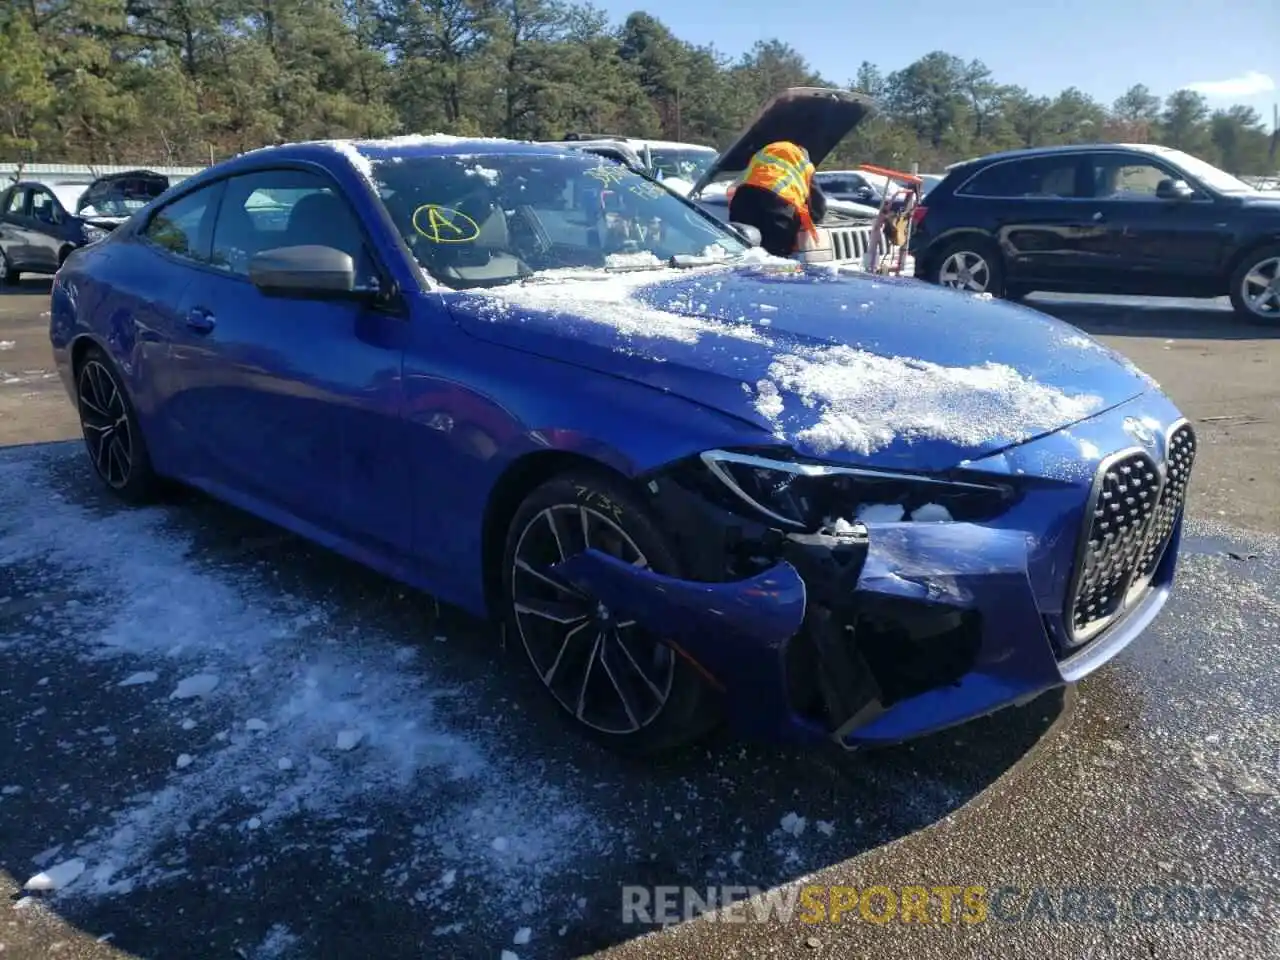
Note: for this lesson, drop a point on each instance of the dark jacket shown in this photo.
(777, 220)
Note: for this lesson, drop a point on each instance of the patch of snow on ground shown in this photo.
(864, 401)
(277, 661)
(276, 944)
(57, 877)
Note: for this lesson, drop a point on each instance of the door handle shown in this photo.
(200, 320)
(1098, 217)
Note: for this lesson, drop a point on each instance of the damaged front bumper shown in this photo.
(891, 632)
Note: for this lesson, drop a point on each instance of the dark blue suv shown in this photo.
(41, 223)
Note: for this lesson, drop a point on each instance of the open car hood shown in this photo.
(816, 118)
(98, 200)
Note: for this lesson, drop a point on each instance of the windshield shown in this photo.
(1207, 173)
(682, 164)
(479, 220)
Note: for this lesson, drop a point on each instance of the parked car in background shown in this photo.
(861, 186)
(1103, 218)
(676, 165)
(852, 186)
(114, 198)
(692, 480)
(41, 223)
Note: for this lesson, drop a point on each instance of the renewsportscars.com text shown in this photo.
(970, 904)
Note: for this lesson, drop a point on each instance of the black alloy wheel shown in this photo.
(621, 684)
(110, 427)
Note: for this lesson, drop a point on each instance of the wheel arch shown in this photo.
(517, 481)
(1246, 250)
(80, 345)
(945, 241)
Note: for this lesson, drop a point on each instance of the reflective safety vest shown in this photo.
(784, 168)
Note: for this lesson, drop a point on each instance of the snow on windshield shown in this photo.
(864, 401)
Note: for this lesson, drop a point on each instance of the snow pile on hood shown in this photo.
(866, 401)
(610, 299)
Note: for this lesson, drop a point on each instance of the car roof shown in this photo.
(432, 145)
(1027, 152)
(44, 183)
(359, 153)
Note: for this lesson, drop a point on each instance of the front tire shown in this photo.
(622, 686)
(970, 265)
(1255, 286)
(112, 436)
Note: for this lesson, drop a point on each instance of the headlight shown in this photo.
(93, 234)
(809, 496)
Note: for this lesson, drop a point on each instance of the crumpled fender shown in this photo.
(735, 632)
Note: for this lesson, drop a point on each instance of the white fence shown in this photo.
(82, 173)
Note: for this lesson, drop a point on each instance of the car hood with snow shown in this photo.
(849, 367)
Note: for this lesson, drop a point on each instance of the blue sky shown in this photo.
(1101, 46)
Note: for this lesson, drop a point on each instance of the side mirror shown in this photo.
(750, 235)
(1170, 189)
(303, 271)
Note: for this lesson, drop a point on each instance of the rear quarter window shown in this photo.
(1034, 177)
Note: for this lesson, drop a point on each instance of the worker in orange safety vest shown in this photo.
(779, 198)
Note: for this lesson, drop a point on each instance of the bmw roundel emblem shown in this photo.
(1139, 431)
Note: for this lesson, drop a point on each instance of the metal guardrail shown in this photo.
(1263, 183)
(77, 172)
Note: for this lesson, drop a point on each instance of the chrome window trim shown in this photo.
(1209, 196)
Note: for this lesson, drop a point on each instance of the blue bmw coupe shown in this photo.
(694, 481)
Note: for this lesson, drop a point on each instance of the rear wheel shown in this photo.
(622, 685)
(110, 427)
(971, 265)
(1255, 286)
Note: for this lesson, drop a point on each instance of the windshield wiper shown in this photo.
(688, 261)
